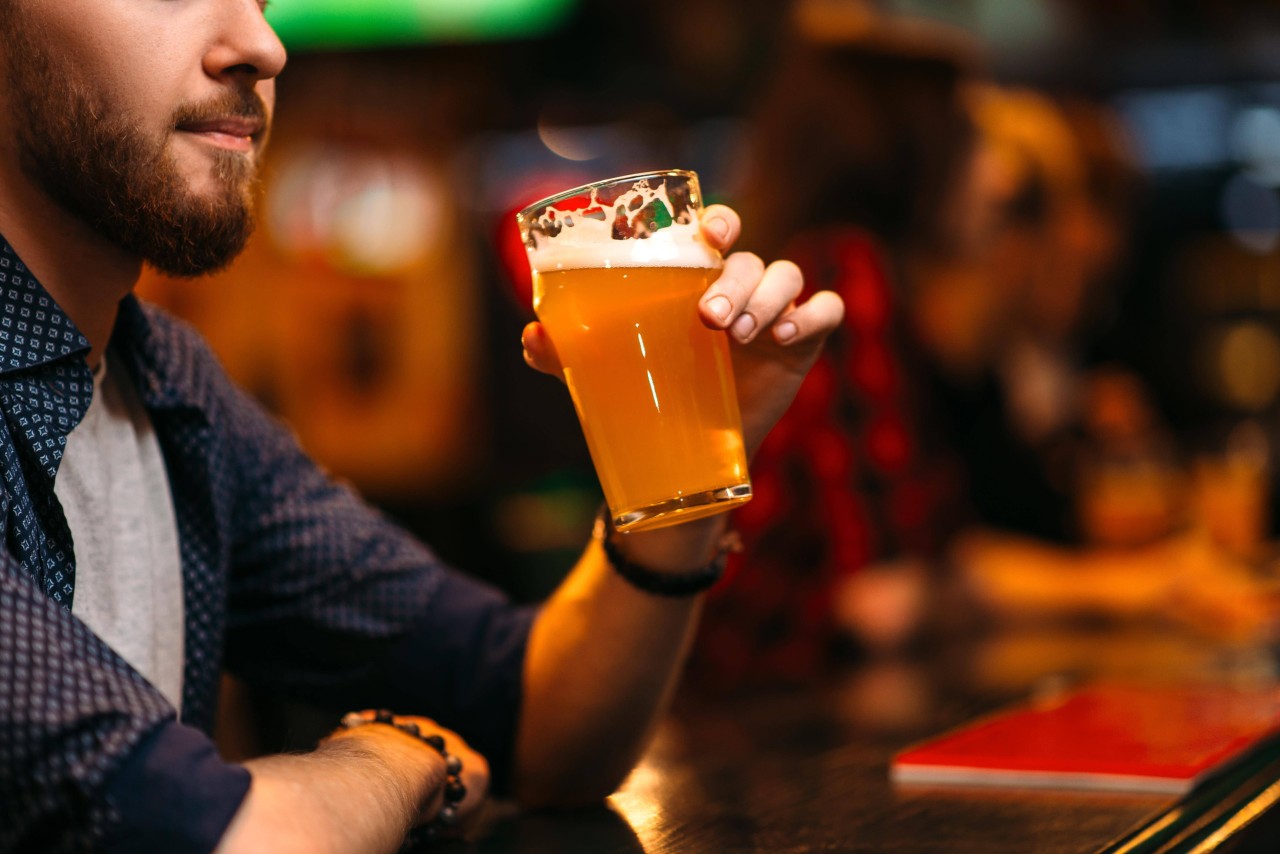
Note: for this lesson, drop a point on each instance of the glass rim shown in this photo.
(527, 212)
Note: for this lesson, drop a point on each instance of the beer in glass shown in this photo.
(618, 269)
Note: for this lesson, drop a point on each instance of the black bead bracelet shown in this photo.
(454, 789)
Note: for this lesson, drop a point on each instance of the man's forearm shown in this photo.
(355, 793)
(602, 664)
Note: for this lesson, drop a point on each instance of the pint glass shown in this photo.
(618, 269)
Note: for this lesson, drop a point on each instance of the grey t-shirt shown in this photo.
(114, 491)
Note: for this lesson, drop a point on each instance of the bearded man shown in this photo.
(159, 527)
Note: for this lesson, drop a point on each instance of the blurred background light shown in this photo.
(999, 23)
(373, 23)
(575, 143)
(1255, 140)
(1247, 361)
(365, 212)
(1180, 128)
(1251, 214)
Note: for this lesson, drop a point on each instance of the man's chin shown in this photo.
(201, 233)
(211, 172)
(180, 261)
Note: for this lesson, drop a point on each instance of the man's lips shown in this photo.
(232, 132)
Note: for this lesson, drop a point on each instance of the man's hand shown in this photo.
(475, 768)
(361, 790)
(775, 341)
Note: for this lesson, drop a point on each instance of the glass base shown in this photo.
(682, 509)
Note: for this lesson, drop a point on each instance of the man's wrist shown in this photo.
(676, 548)
(676, 561)
(414, 770)
(354, 792)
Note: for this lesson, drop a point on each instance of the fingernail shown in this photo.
(784, 331)
(744, 326)
(720, 307)
(719, 227)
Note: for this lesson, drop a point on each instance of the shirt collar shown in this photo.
(34, 330)
(153, 352)
(160, 356)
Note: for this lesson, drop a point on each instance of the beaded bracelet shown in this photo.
(670, 584)
(454, 789)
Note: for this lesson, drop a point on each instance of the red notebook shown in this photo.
(1104, 736)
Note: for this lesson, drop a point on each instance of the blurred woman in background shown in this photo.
(969, 236)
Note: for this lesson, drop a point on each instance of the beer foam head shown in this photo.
(644, 220)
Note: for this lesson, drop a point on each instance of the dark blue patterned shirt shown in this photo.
(289, 581)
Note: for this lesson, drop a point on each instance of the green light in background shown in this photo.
(374, 23)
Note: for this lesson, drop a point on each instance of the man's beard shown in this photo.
(81, 149)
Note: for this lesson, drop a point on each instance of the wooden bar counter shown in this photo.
(786, 770)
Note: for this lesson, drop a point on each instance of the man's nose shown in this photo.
(245, 44)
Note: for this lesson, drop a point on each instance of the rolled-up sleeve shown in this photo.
(173, 794)
(90, 754)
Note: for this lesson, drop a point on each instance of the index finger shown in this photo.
(721, 226)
